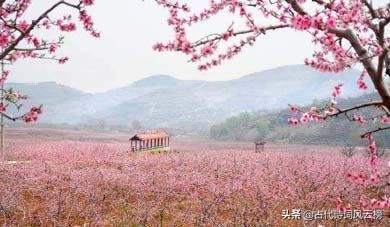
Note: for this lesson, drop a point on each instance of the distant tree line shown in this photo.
(251, 126)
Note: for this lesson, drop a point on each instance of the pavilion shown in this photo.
(149, 141)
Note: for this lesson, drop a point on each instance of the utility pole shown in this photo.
(2, 117)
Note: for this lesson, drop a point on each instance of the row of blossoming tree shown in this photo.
(21, 38)
(345, 32)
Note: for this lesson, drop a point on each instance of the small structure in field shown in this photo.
(150, 141)
(259, 146)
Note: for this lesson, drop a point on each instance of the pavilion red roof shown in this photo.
(151, 135)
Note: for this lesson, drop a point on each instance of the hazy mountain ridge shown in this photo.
(164, 101)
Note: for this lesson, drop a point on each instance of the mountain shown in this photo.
(48, 92)
(164, 101)
(52, 96)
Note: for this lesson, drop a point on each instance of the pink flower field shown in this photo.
(200, 184)
(77, 165)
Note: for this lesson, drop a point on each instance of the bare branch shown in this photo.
(373, 13)
(319, 2)
(297, 8)
(381, 41)
(272, 27)
(387, 63)
(375, 131)
(31, 49)
(376, 104)
(11, 118)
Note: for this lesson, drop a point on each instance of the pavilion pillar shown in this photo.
(168, 142)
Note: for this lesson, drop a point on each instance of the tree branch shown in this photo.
(387, 63)
(381, 41)
(320, 2)
(377, 104)
(375, 131)
(11, 118)
(373, 13)
(33, 25)
(367, 62)
(363, 54)
(297, 8)
(272, 27)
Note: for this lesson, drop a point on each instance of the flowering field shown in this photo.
(201, 184)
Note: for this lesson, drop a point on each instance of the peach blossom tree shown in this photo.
(346, 33)
(22, 37)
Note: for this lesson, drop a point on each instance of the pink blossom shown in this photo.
(206, 51)
(3, 107)
(88, 2)
(63, 60)
(32, 115)
(23, 25)
(359, 118)
(4, 40)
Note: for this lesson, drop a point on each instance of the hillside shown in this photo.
(250, 126)
(164, 101)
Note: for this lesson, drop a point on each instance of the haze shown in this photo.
(124, 52)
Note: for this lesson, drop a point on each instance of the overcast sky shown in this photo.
(124, 52)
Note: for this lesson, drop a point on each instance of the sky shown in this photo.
(124, 52)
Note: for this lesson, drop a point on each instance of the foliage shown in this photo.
(338, 131)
